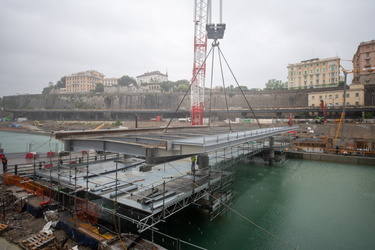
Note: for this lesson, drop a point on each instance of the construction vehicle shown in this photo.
(37, 123)
(339, 127)
(99, 127)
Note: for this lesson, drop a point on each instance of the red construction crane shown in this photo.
(204, 30)
(324, 111)
(199, 66)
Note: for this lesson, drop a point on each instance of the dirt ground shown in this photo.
(21, 224)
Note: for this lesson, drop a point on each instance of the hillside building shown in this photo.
(355, 96)
(110, 82)
(152, 77)
(314, 73)
(364, 63)
(83, 81)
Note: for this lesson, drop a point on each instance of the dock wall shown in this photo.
(332, 158)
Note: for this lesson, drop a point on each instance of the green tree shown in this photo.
(47, 90)
(275, 84)
(368, 115)
(99, 87)
(242, 87)
(61, 83)
(170, 86)
(166, 86)
(126, 81)
(117, 123)
(182, 88)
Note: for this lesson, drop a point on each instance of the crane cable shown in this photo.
(187, 91)
(234, 77)
(216, 44)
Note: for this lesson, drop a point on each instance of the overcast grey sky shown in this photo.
(44, 40)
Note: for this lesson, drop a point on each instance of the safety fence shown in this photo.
(28, 168)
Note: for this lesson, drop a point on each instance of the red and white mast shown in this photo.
(199, 66)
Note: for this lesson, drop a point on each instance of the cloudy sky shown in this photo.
(44, 40)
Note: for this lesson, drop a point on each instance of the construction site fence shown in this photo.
(85, 210)
(30, 168)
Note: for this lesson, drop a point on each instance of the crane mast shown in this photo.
(199, 65)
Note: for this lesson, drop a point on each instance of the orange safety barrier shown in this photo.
(87, 211)
(29, 185)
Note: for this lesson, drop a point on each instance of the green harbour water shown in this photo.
(23, 142)
(305, 204)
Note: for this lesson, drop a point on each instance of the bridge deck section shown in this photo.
(156, 146)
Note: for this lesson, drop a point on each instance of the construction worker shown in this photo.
(193, 158)
(4, 160)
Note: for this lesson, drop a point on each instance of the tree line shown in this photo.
(170, 86)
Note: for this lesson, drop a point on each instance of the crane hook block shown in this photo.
(215, 31)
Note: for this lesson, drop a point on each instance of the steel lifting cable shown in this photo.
(225, 92)
(234, 77)
(45, 143)
(187, 91)
(212, 78)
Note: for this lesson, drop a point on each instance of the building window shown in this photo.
(324, 69)
(317, 71)
(317, 64)
(324, 63)
(312, 97)
(337, 96)
(305, 72)
(347, 95)
(320, 97)
(356, 94)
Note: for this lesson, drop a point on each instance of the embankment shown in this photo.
(332, 158)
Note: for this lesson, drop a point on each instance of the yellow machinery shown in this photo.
(99, 127)
(339, 127)
(37, 123)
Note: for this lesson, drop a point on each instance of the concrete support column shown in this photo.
(272, 151)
